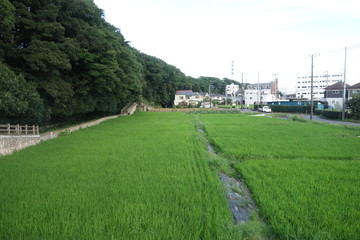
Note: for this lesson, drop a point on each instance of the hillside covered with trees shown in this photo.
(59, 59)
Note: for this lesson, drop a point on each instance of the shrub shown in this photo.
(298, 119)
(354, 106)
(332, 114)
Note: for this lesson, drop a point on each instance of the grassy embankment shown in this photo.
(304, 176)
(138, 177)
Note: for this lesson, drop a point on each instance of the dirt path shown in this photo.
(238, 195)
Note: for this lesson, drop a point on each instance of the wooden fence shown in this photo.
(8, 129)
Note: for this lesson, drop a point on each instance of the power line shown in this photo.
(356, 46)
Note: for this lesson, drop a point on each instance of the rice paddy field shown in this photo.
(304, 176)
(139, 177)
(147, 176)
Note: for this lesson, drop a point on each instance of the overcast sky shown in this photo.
(203, 37)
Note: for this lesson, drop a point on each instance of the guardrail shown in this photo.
(7, 129)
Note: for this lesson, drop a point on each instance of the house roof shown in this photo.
(187, 93)
(183, 91)
(356, 86)
(337, 86)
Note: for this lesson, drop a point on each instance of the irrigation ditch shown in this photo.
(239, 198)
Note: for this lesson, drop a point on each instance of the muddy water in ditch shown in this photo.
(239, 198)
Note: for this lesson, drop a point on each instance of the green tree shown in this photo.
(20, 103)
(354, 106)
(7, 21)
(79, 63)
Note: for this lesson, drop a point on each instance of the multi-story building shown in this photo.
(261, 92)
(232, 90)
(320, 82)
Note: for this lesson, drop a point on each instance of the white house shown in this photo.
(261, 92)
(254, 96)
(187, 98)
(232, 90)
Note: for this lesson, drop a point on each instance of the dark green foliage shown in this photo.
(7, 19)
(354, 106)
(77, 64)
(19, 100)
(162, 80)
(332, 114)
(217, 85)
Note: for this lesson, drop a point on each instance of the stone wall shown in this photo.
(10, 143)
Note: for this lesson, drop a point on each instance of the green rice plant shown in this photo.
(303, 175)
(137, 177)
(307, 199)
(214, 112)
(244, 136)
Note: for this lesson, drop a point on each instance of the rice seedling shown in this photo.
(138, 177)
(307, 199)
(303, 175)
(245, 136)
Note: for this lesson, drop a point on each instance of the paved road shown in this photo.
(319, 119)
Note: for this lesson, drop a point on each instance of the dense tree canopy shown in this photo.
(60, 59)
(354, 106)
(19, 99)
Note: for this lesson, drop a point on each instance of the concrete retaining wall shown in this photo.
(54, 134)
(129, 109)
(9, 144)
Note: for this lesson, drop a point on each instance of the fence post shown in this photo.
(8, 128)
(33, 129)
(38, 130)
(17, 130)
(26, 129)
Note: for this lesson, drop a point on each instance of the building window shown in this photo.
(335, 91)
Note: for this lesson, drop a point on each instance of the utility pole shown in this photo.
(225, 96)
(242, 89)
(344, 93)
(210, 94)
(258, 91)
(312, 85)
(327, 78)
(276, 86)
